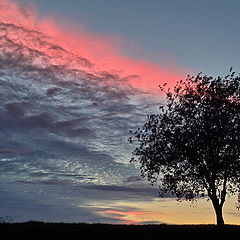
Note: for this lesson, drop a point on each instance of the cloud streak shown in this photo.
(78, 49)
(68, 100)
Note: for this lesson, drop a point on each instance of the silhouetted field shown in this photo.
(37, 230)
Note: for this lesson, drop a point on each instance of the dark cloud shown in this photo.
(131, 192)
(63, 131)
(53, 91)
(22, 208)
(134, 179)
(18, 109)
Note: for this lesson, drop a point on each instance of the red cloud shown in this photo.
(133, 216)
(82, 50)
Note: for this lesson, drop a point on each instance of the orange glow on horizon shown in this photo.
(167, 211)
(134, 217)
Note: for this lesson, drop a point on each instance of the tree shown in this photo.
(192, 146)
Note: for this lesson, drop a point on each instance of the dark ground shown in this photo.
(37, 230)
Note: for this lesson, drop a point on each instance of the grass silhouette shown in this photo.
(31, 230)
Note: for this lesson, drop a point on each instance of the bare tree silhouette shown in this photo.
(191, 148)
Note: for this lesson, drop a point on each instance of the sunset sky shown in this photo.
(75, 77)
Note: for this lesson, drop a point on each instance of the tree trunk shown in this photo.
(219, 215)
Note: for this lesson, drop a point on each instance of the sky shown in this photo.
(75, 77)
(201, 35)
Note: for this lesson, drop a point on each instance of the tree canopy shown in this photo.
(191, 148)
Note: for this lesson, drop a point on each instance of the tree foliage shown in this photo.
(192, 146)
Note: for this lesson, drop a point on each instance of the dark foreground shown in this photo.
(36, 230)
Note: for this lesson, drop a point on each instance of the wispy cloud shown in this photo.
(78, 48)
(68, 100)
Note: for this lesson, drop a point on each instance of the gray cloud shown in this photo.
(131, 192)
(63, 131)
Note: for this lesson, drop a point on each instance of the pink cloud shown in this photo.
(134, 216)
(74, 44)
